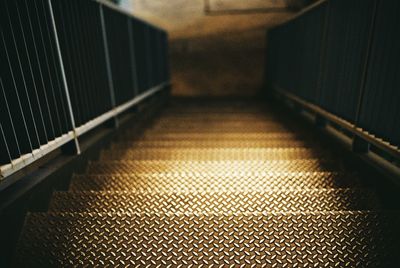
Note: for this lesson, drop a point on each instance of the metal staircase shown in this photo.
(215, 184)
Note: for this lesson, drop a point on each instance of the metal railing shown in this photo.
(68, 66)
(339, 59)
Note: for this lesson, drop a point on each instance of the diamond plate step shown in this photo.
(208, 167)
(229, 129)
(212, 144)
(324, 239)
(221, 127)
(216, 202)
(216, 136)
(212, 154)
(226, 118)
(216, 124)
(225, 181)
(183, 109)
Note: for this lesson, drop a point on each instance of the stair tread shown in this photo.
(222, 184)
(215, 136)
(213, 143)
(224, 181)
(211, 154)
(216, 201)
(242, 130)
(309, 239)
(165, 166)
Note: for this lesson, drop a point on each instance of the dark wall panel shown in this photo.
(380, 113)
(348, 32)
(298, 61)
(139, 29)
(343, 56)
(83, 51)
(117, 29)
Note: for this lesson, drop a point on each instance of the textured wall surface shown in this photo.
(217, 53)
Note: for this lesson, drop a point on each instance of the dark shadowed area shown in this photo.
(217, 46)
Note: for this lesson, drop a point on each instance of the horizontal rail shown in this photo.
(118, 110)
(27, 159)
(78, 64)
(379, 143)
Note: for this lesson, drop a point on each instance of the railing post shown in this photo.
(360, 145)
(365, 67)
(108, 63)
(320, 121)
(133, 57)
(322, 56)
(64, 78)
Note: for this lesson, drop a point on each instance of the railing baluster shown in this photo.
(43, 136)
(60, 93)
(64, 78)
(3, 137)
(30, 70)
(59, 56)
(23, 79)
(108, 63)
(133, 57)
(11, 118)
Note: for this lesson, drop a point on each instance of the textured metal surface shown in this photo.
(212, 144)
(198, 124)
(226, 118)
(214, 186)
(217, 136)
(212, 154)
(208, 167)
(242, 129)
(216, 202)
(331, 239)
(226, 181)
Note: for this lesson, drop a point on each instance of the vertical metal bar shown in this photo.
(70, 66)
(49, 95)
(64, 78)
(322, 56)
(108, 62)
(45, 91)
(88, 51)
(5, 142)
(11, 119)
(366, 65)
(16, 90)
(133, 57)
(30, 69)
(23, 77)
(59, 83)
(81, 74)
(149, 55)
(107, 54)
(40, 72)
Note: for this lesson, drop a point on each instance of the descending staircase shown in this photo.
(214, 184)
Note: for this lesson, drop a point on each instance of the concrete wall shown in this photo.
(213, 54)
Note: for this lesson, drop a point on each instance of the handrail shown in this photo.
(119, 109)
(64, 79)
(318, 64)
(379, 143)
(27, 159)
(160, 79)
